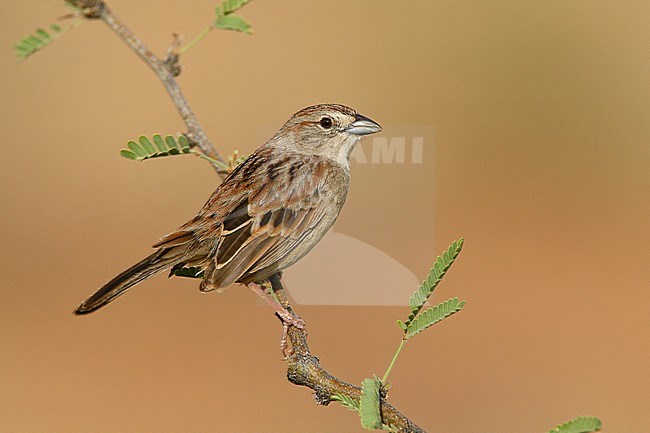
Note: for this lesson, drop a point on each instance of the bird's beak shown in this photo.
(363, 126)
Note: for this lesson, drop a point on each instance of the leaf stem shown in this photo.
(215, 162)
(196, 40)
(392, 362)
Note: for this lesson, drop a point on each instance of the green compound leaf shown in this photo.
(233, 22)
(156, 147)
(346, 401)
(369, 404)
(439, 269)
(224, 19)
(40, 39)
(582, 424)
(433, 315)
(228, 21)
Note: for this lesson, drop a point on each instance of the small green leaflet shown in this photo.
(158, 146)
(582, 424)
(369, 404)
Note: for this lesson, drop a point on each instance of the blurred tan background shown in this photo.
(542, 142)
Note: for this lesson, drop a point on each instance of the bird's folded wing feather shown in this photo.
(263, 222)
(270, 222)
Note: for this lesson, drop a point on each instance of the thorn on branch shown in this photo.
(91, 9)
(69, 16)
(171, 60)
(322, 398)
(190, 139)
(383, 391)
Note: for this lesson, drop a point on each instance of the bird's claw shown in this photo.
(289, 320)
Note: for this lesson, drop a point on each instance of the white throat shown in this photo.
(343, 155)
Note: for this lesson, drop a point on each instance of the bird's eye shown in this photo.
(326, 122)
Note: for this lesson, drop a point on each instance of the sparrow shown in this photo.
(269, 212)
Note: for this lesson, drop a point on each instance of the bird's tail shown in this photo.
(162, 259)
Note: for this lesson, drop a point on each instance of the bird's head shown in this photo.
(327, 130)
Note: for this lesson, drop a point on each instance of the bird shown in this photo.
(267, 214)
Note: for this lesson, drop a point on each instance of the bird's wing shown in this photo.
(269, 221)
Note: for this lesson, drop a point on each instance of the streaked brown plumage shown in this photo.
(268, 213)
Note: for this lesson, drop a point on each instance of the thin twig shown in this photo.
(166, 70)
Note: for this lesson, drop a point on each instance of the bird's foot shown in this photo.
(296, 321)
(288, 318)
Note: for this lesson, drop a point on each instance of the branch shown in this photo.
(166, 69)
(304, 369)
